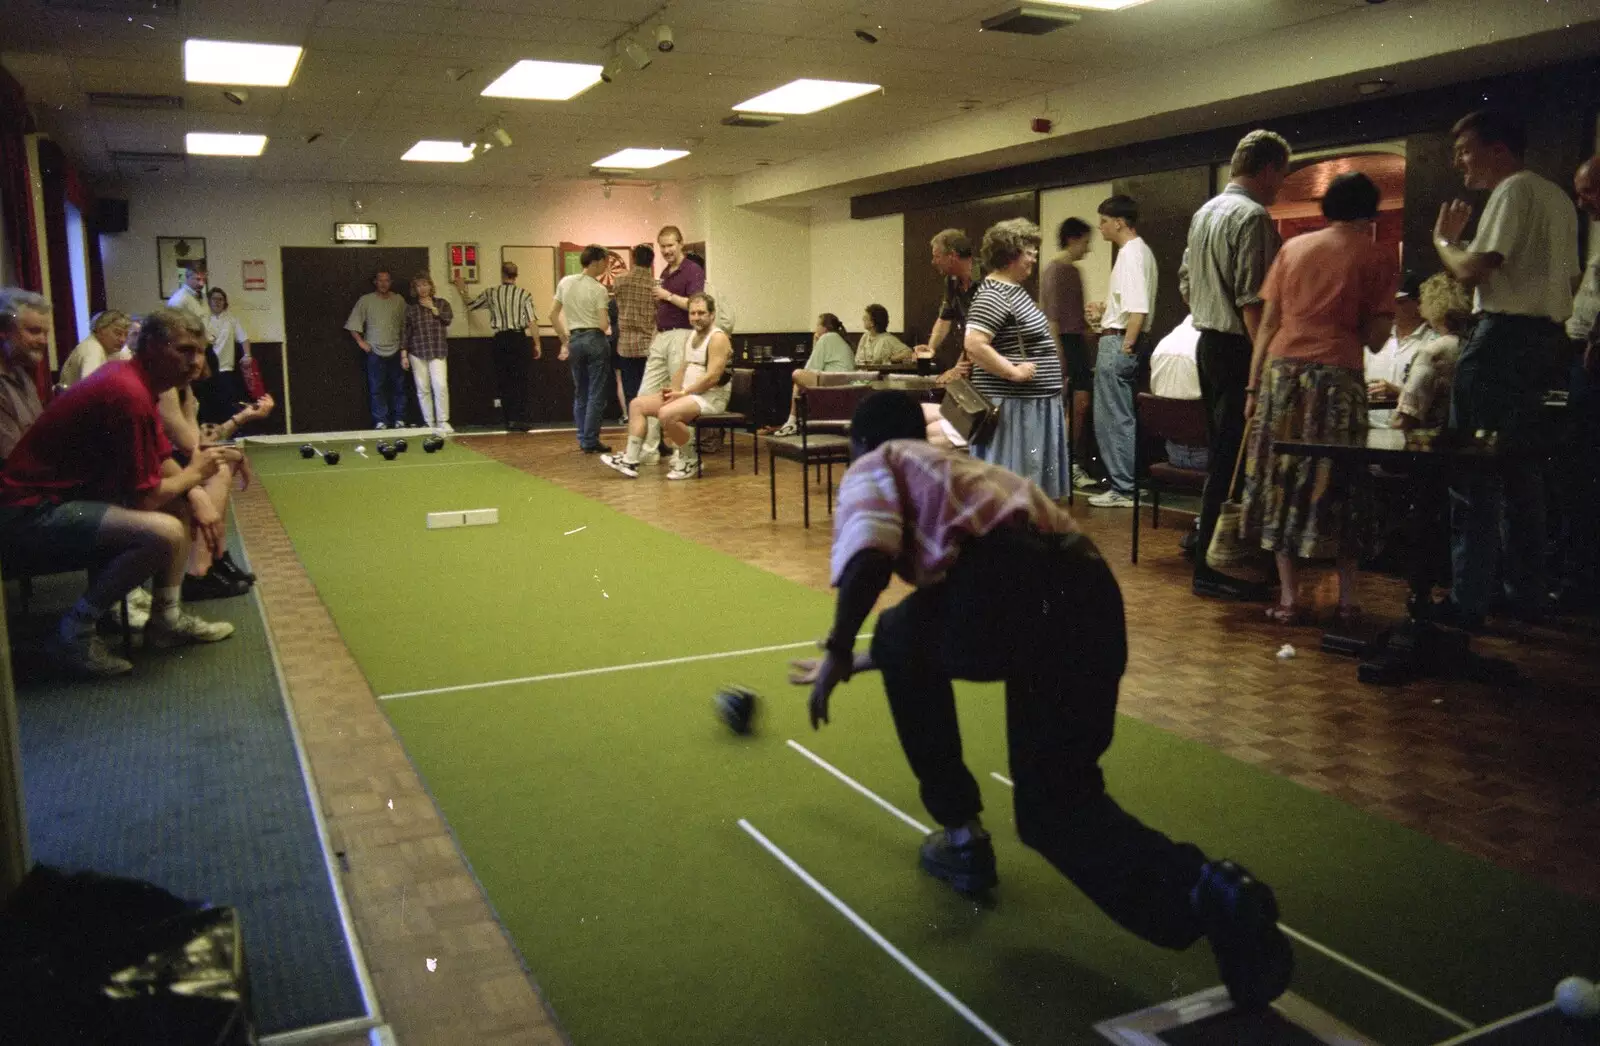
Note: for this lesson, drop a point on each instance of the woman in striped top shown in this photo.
(1016, 363)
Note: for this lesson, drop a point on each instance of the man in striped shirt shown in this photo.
(512, 319)
(1008, 589)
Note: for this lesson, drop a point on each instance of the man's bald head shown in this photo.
(1586, 183)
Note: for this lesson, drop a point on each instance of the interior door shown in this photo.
(325, 370)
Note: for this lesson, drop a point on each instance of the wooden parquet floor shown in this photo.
(1506, 773)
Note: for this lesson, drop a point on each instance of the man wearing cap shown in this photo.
(1386, 368)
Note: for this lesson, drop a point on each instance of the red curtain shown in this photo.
(16, 195)
(54, 174)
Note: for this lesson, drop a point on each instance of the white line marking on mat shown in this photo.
(874, 936)
(1503, 1022)
(569, 533)
(858, 786)
(1002, 779)
(603, 670)
(1344, 960)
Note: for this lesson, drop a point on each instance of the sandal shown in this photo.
(787, 430)
(1293, 614)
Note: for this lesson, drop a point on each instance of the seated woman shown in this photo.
(1329, 294)
(829, 352)
(1425, 397)
(879, 348)
(698, 388)
(211, 573)
(108, 334)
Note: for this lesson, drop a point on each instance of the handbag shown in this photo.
(250, 373)
(1229, 548)
(969, 412)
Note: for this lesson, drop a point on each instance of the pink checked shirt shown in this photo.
(917, 503)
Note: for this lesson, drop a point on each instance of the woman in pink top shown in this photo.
(1328, 296)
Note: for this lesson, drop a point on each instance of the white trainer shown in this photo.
(1111, 499)
(188, 630)
(683, 470)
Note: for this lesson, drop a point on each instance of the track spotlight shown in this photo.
(655, 191)
(664, 38)
(605, 189)
(637, 55)
(612, 69)
(501, 136)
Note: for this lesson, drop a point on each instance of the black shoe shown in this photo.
(211, 586)
(598, 448)
(232, 570)
(969, 868)
(1448, 612)
(1240, 917)
(1213, 584)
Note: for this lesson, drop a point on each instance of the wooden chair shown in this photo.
(823, 415)
(1179, 421)
(741, 414)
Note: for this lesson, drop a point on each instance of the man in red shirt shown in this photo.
(93, 483)
(1008, 589)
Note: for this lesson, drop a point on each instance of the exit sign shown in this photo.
(355, 232)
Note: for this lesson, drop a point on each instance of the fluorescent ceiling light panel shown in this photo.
(1093, 5)
(200, 143)
(255, 65)
(805, 96)
(427, 151)
(544, 81)
(639, 159)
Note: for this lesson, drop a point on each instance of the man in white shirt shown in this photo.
(1386, 369)
(191, 296)
(1175, 375)
(1579, 587)
(583, 323)
(1523, 267)
(1125, 319)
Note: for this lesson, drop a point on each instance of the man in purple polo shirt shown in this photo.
(680, 280)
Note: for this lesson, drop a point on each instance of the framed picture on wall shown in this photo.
(173, 253)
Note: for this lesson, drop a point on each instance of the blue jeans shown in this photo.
(1497, 521)
(1114, 374)
(381, 371)
(590, 357)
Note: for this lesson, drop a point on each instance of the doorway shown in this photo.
(324, 369)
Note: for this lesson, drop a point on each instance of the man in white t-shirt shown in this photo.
(1125, 319)
(1385, 370)
(1175, 375)
(191, 295)
(583, 323)
(1523, 268)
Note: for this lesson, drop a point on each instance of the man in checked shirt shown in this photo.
(1007, 588)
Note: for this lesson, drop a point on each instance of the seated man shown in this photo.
(1007, 588)
(24, 339)
(1175, 374)
(829, 352)
(93, 482)
(211, 572)
(696, 389)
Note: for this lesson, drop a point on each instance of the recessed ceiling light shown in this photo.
(1095, 5)
(544, 81)
(799, 97)
(639, 159)
(427, 151)
(200, 143)
(255, 65)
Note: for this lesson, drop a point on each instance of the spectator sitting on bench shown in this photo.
(211, 572)
(829, 352)
(108, 333)
(94, 482)
(24, 338)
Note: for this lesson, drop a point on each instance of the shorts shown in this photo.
(711, 403)
(1080, 370)
(50, 537)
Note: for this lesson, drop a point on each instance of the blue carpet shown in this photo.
(185, 775)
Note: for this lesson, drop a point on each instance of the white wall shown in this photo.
(252, 221)
(759, 260)
(856, 263)
(1079, 201)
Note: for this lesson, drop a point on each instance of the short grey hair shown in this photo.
(14, 300)
(711, 303)
(1257, 151)
(162, 324)
(1004, 242)
(108, 318)
(952, 241)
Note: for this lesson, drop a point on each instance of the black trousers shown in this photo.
(1044, 614)
(1224, 364)
(512, 362)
